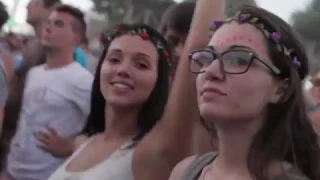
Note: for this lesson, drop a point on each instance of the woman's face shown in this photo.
(224, 96)
(129, 71)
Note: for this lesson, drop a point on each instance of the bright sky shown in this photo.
(282, 8)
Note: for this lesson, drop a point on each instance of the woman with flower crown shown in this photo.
(249, 89)
(129, 96)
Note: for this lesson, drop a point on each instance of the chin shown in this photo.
(119, 102)
(212, 112)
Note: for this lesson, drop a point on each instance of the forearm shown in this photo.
(174, 132)
(170, 141)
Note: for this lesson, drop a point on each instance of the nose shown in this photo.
(124, 69)
(215, 71)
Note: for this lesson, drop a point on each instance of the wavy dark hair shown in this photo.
(287, 134)
(153, 109)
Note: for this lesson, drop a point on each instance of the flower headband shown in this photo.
(275, 36)
(142, 32)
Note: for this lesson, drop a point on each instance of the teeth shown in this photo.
(120, 85)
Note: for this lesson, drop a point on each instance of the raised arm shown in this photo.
(170, 141)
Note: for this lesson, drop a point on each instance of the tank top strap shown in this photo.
(75, 154)
(195, 168)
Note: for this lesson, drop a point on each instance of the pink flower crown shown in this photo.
(142, 32)
(275, 36)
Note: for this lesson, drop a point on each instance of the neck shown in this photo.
(234, 143)
(120, 122)
(59, 58)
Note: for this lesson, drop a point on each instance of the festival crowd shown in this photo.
(204, 97)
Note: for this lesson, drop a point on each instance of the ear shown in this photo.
(280, 91)
(76, 40)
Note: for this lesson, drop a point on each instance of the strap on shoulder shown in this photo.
(194, 170)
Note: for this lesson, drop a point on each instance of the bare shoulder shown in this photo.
(79, 140)
(181, 167)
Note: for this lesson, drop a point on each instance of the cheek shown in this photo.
(249, 94)
(146, 84)
(199, 83)
(105, 74)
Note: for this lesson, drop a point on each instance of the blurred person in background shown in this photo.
(92, 60)
(16, 47)
(313, 102)
(37, 13)
(6, 67)
(6, 73)
(55, 100)
(37, 16)
(175, 26)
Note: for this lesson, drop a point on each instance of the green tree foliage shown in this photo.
(233, 5)
(307, 23)
(147, 11)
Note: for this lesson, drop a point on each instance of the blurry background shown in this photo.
(303, 15)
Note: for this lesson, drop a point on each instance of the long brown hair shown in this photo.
(287, 134)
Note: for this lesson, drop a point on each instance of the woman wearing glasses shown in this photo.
(249, 87)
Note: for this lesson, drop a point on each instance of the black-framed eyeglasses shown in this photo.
(233, 61)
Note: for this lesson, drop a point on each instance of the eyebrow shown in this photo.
(239, 46)
(212, 48)
(138, 53)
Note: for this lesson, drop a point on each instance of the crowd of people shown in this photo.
(203, 97)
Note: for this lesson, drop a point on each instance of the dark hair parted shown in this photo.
(4, 16)
(178, 17)
(79, 25)
(152, 110)
(287, 133)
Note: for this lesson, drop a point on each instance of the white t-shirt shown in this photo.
(59, 98)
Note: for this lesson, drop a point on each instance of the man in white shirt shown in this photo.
(56, 97)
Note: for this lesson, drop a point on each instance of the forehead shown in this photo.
(61, 16)
(239, 34)
(134, 44)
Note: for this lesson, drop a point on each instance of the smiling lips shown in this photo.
(122, 85)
